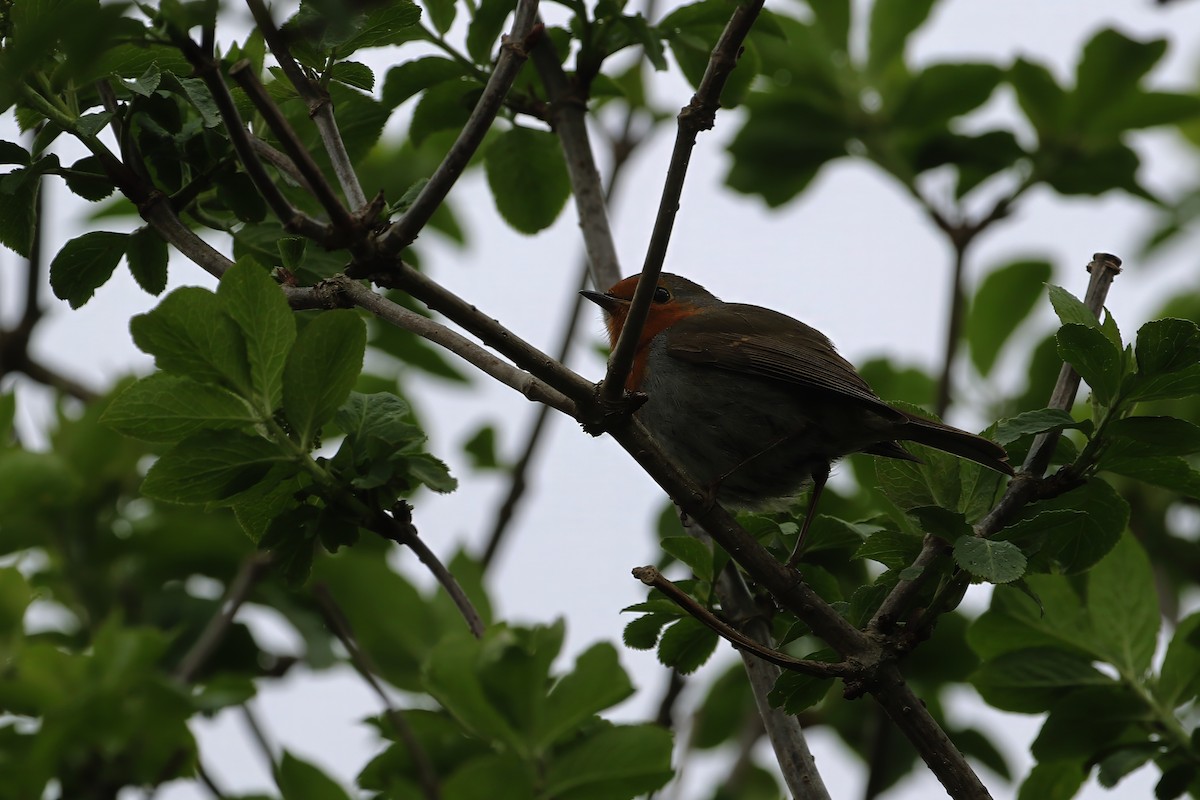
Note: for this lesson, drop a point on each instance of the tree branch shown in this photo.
(514, 49)
(320, 107)
(698, 115)
(253, 568)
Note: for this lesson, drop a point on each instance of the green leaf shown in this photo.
(412, 77)
(795, 692)
(1095, 359)
(992, 561)
(617, 762)
(1151, 436)
(642, 633)
(1052, 780)
(1029, 681)
(15, 597)
(481, 448)
(213, 466)
(941, 92)
(147, 256)
(1124, 604)
(1169, 472)
(597, 682)
(495, 776)
(257, 305)
(441, 14)
(686, 645)
(528, 178)
(1165, 346)
(1179, 680)
(1030, 422)
(321, 370)
(484, 32)
(1112, 65)
(892, 22)
(1184, 383)
(692, 552)
(444, 106)
(352, 73)
(1040, 97)
(1085, 724)
(300, 780)
(1098, 171)
(189, 334)
(893, 549)
(84, 265)
(1070, 309)
(87, 178)
(1003, 300)
(168, 408)
(238, 194)
(1075, 545)
(17, 215)
(384, 25)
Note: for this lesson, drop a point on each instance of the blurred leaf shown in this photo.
(483, 34)
(893, 549)
(1131, 437)
(1179, 679)
(321, 369)
(1052, 780)
(84, 264)
(892, 22)
(1122, 600)
(412, 77)
(481, 447)
(617, 762)
(498, 776)
(528, 178)
(693, 552)
(1040, 97)
(443, 106)
(1030, 681)
(795, 692)
(1030, 422)
(975, 744)
(1112, 65)
(941, 92)
(598, 682)
(1003, 300)
(1084, 724)
(441, 14)
(300, 780)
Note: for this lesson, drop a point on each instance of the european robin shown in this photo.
(754, 405)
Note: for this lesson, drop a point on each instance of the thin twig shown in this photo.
(696, 116)
(320, 106)
(821, 669)
(395, 314)
(958, 302)
(568, 115)
(280, 162)
(259, 735)
(336, 619)
(253, 568)
(399, 528)
(513, 52)
(295, 149)
(293, 220)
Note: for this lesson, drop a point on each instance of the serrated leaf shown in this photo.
(388, 24)
(257, 305)
(189, 334)
(412, 77)
(1165, 346)
(211, 467)
(147, 255)
(85, 264)
(990, 560)
(686, 645)
(692, 552)
(352, 73)
(321, 370)
(528, 178)
(893, 549)
(598, 682)
(617, 762)
(1029, 422)
(1124, 604)
(17, 215)
(168, 408)
(86, 178)
(1094, 357)
(642, 633)
(1070, 309)
(1003, 300)
(1184, 383)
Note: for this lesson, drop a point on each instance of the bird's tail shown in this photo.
(956, 442)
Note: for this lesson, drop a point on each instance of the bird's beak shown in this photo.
(605, 301)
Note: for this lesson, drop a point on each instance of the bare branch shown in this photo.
(320, 106)
(513, 51)
(534, 389)
(253, 568)
(696, 116)
(335, 618)
(568, 115)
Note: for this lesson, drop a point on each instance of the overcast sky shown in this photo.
(589, 516)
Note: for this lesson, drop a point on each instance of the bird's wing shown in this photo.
(770, 345)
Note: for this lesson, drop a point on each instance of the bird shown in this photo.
(755, 405)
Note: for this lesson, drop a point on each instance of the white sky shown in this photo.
(588, 518)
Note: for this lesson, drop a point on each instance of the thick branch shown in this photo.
(513, 52)
(696, 116)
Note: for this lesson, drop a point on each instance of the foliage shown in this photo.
(274, 454)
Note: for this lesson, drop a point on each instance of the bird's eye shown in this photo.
(661, 295)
